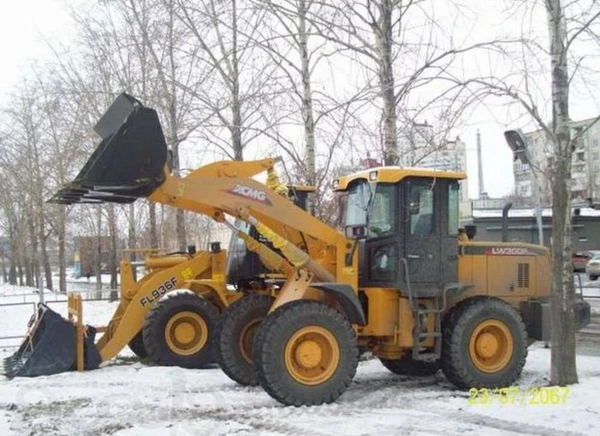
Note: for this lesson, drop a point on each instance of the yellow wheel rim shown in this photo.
(312, 355)
(186, 333)
(247, 339)
(491, 346)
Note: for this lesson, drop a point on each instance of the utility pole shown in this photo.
(482, 195)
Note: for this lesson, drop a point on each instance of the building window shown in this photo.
(524, 188)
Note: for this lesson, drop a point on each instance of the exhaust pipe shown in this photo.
(505, 210)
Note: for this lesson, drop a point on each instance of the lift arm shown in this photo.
(132, 162)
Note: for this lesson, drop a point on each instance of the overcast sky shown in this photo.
(26, 26)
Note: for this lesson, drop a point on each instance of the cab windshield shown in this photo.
(371, 205)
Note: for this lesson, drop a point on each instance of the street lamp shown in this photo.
(518, 143)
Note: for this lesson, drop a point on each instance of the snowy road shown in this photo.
(130, 398)
(127, 398)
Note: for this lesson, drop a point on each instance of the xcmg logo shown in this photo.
(250, 193)
(508, 251)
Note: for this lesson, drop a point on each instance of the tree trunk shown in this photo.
(112, 227)
(236, 105)
(4, 271)
(14, 256)
(383, 40)
(563, 362)
(307, 103)
(44, 255)
(35, 267)
(62, 255)
(27, 269)
(131, 237)
(22, 268)
(153, 229)
(98, 259)
(12, 272)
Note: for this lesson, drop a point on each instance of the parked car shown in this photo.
(580, 259)
(592, 269)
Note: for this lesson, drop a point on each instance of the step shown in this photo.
(430, 335)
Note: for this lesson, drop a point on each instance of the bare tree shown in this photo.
(399, 45)
(563, 369)
(524, 84)
(26, 158)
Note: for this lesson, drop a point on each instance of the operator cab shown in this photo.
(411, 221)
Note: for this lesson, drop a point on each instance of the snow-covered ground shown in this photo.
(130, 398)
(126, 398)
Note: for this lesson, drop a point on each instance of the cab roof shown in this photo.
(395, 174)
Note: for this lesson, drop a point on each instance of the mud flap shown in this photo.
(50, 347)
(537, 317)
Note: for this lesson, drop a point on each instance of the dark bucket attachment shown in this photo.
(50, 347)
(128, 164)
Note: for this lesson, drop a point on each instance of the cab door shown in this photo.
(379, 253)
(422, 225)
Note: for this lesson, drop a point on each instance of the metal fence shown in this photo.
(50, 299)
(589, 290)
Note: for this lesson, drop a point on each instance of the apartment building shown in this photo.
(585, 182)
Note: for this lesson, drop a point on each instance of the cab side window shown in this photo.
(382, 216)
(421, 210)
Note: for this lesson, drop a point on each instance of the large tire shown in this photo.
(408, 366)
(137, 345)
(484, 344)
(305, 353)
(179, 331)
(235, 336)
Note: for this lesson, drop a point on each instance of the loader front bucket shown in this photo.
(129, 162)
(49, 347)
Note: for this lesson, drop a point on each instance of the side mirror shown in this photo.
(356, 231)
(471, 231)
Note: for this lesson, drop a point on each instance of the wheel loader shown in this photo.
(154, 318)
(399, 281)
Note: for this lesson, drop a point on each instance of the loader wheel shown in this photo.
(235, 335)
(137, 345)
(305, 353)
(484, 344)
(409, 366)
(179, 331)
